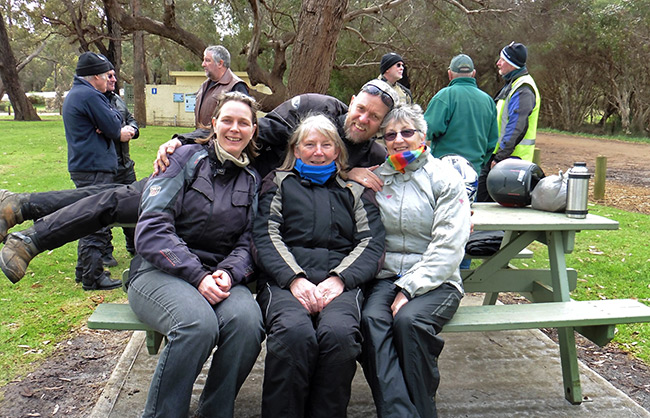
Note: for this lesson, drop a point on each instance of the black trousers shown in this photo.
(92, 247)
(126, 175)
(85, 211)
(482, 194)
(400, 354)
(310, 360)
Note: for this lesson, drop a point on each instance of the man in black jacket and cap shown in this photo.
(91, 126)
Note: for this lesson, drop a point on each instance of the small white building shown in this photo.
(173, 104)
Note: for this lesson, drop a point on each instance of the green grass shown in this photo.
(47, 306)
(611, 265)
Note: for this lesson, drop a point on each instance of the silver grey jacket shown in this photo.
(426, 214)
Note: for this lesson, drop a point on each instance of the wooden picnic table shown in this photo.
(552, 286)
(594, 319)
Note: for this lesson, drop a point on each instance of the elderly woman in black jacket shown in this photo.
(318, 238)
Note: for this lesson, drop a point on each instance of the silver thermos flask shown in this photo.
(577, 191)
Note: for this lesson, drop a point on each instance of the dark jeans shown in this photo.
(194, 328)
(310, 360)
(400, 355)
(92, 247)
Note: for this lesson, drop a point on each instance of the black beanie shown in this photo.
(92, 64)
(388, 60)
(112, 67)
(515, 54)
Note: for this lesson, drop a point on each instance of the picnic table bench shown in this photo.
(547, 289)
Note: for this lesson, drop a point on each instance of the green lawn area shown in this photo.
(47, 305)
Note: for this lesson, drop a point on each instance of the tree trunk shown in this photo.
(23, 108)
(114, 52)
(139, 71)
(320, 24)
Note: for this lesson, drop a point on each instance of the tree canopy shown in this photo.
(588, 57)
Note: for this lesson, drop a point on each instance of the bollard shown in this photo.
(536, 156)
(599, 177)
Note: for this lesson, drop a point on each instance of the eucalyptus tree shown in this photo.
(23, 108)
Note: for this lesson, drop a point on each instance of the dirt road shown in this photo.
(628, 171)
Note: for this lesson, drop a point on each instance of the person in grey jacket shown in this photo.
(419, 287)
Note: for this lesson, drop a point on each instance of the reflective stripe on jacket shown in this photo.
(525, 146)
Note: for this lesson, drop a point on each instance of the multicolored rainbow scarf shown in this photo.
(400, 160)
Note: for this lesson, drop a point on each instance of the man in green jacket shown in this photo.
(461, 118)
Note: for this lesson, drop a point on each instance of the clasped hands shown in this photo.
(316, 297)
(215, 287)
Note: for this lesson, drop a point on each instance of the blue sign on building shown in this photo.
(190, 102)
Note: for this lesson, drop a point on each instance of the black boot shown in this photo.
(109, 260)
(16, 254)
(103, 282)
(10, 210)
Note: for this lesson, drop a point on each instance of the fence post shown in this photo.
(599, 177)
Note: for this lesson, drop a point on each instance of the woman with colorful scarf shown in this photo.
(317, 238)
(425, 211)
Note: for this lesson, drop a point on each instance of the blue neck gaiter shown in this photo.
(318, 174)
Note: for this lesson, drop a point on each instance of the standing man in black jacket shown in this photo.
(125, 165)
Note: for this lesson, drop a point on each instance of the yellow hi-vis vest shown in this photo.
(526, 147)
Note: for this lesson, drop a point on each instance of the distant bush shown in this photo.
(36, 100)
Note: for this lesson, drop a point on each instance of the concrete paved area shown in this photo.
(491, 374)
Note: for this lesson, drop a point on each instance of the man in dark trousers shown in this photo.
(125, 165)
(91, 126)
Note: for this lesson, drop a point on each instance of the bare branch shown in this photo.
(483, 9)
(168, 29)
(31, 56)
(373, 10)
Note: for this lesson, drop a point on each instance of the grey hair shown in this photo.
(406, 113)
(219, 53)
(323, 125)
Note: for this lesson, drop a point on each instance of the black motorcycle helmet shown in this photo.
(511, 181)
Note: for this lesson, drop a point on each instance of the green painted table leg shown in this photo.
(154, 339)
(569, 357)
(570, 371)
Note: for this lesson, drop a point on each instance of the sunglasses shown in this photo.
(406, 133)
(400, 64)
(376, 91)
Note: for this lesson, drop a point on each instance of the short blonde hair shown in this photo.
(323, 125)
